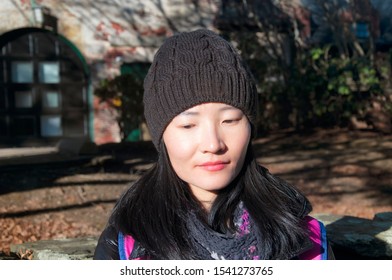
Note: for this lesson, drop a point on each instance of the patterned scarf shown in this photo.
(244, 244)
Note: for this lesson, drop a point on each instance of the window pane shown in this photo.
(73, 95)
(44, 45)
(22, 72)
(51, 99)
(51, 126)
(21, 46)
(49, 72)
(23, 126)
(23, 99)
(73, 71)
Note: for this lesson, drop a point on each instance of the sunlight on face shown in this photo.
(207, 145)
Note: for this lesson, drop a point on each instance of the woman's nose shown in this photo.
(211, 140)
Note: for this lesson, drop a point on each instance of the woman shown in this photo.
(207, 197)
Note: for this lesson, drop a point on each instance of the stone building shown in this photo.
(54, 53)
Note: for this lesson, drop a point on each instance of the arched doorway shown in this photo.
(44, 89)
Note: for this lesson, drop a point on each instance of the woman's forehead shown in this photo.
(208, 107)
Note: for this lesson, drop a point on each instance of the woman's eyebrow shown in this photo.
(227, 108)
(189, 113)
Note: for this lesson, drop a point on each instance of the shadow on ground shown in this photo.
(350, 170)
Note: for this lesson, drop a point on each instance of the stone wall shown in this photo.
(111, 32)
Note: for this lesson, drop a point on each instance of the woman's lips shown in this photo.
(214, 166)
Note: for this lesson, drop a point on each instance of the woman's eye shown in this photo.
(187, 126)
(230, 121)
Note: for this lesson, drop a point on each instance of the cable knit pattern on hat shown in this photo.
(192, 68)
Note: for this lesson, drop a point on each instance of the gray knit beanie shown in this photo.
(194, 68)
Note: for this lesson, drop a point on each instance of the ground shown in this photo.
(342, 172)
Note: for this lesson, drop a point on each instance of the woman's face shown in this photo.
(207, 145)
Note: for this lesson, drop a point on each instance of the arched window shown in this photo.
(43, 88)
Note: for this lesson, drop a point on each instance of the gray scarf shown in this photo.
(244, 244)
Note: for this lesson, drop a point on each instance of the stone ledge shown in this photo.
(60, 249)
(360, 238)
(350, 238)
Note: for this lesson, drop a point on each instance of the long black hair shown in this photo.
(155, 209)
